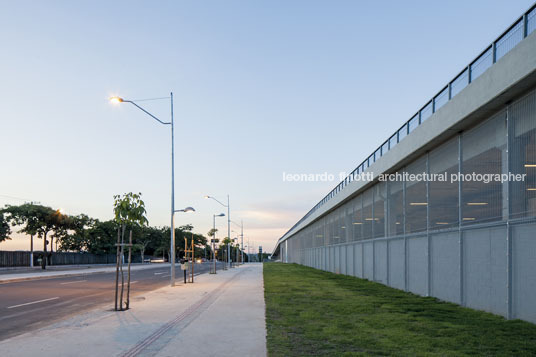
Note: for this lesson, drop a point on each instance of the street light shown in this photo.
(187, 209)
(235, 239)
(242, 239)
(228, 222)
(118, 100)
(214, 240)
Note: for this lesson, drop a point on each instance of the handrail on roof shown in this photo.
(528, 19)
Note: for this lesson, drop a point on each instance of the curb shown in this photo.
(16, 280)
(81, 273)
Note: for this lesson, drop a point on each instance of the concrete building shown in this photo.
(467, 241)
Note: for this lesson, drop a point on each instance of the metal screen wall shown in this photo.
(468, 242)
(515, 34)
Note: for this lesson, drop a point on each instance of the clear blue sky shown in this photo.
(261, 88)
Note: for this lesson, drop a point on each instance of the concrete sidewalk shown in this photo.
(7, 276)
(219, 315)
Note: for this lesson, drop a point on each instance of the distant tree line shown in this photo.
(82, 233)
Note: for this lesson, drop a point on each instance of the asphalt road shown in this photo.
(32, 304)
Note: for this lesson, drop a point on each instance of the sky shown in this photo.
(261, 89)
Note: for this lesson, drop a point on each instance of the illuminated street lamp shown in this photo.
(118, 100)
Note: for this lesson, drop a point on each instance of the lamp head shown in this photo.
(116, 100)
(189, 209)
(220, 215)
(206, 196)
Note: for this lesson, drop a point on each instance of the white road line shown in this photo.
(159, 273)
(165, 276)
(33, 302)
(133, 282)
(73, 282)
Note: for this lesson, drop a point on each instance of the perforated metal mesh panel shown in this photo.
(416, 201)
(443, 195)
(396, 208)
(484, 152)
(357, 218)
(522, 122)
(367, 214)
(379, 209)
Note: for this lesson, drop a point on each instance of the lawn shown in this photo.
(311, 312)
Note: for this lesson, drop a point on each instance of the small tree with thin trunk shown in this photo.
(129, 210)
(142, 246)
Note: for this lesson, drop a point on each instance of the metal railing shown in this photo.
(520, 29)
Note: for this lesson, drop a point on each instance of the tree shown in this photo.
(82, 233)
(212, 235)
(129, 210)
(223, 248)
(200, 244)
(79, 240)
(186, 232)
(49, 221)
(212, 232)
(23, 215)
(62, 225)
(36, 220)
(5, 229)
(162, 244)
(101, 238)
(147, 239)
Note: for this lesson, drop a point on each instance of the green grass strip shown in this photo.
(311, 312)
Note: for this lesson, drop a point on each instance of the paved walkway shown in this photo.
(219, 315)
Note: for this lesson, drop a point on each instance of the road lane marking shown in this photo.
(165, 276)
(73, 282)
(159, 273)
(133, 282)
(33, 302)
(51, 306)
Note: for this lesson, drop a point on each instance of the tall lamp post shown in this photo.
(237, 249)
(241, 225)
(214, 240)
(228, 222)
(185, 210)
(172, 238)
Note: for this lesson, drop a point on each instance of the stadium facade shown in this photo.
(471, 241)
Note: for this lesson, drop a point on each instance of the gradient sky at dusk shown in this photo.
(261, 88)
